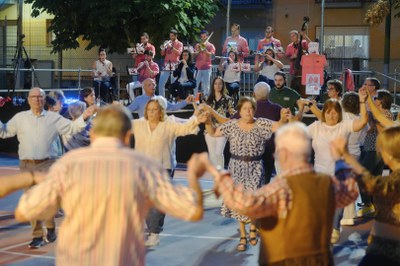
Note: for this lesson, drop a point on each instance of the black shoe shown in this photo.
(51, 235)
(37, 242)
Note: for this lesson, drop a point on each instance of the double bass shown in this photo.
(300, 52)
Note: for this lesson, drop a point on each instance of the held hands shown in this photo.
(363, 94)
(91, 110)
(286, 115)
(199, 164)
(189, 99)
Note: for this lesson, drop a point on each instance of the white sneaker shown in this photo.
(152, 240)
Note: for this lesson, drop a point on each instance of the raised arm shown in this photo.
(361, 122)
(315, 110)
(285, 117)
(382, 119)
(270, 200)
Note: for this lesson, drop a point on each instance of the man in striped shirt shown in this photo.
(106, 191)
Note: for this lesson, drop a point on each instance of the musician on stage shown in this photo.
(204, 51)
(171, 50)
(270, 42)
(101, 73)
(294, 55)
(144, 45)
(146, 69)
(236, 43)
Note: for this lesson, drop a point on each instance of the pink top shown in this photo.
(140, 57)
(171, 55)
(203, 60)
(312, 64)
(237, 44)
(145, 73)
(290, 51)
(264, 43)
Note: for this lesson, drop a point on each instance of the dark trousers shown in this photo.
(233, 90)
(373, 162)
(262, 78)
(102, 89)
(155, 218)
(295, 84)
(180, 89)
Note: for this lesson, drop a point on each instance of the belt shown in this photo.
(35, 161)
(246, 158)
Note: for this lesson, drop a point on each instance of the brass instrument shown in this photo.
(202, 45)
(165, 44)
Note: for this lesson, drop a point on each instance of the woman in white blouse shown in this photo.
(231, 68)
(155, 136)
(267, 66)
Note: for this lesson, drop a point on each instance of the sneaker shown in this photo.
(335, 236)
(347, 221)
(152, 240)
(51, 235)
(37, 242)
(366, 210)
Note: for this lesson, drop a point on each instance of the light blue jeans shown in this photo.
(203, 77)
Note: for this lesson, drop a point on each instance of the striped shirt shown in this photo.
(106, 191)
(275, 198)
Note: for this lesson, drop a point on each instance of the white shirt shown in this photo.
(354, 137)
(230, 75)
(269, 70)
(36, 133)
(159, 144)
(322, 135)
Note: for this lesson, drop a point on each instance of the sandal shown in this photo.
(253, 240)
(242, 246)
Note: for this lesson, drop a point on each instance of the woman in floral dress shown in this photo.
(247, 136)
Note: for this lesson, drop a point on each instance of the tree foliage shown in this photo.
(115, 25)
(378, 11)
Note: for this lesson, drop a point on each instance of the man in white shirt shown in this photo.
(36, 130)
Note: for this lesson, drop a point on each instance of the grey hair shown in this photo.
(261, 90)
(294, 138)
(75, 109)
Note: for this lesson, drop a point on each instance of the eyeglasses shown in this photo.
(36, 96)
(369, 85)
(376, 98)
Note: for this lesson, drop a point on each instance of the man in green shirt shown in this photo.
(283, 95)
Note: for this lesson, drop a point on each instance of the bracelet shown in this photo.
(362, 102)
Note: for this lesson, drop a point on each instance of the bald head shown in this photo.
(149, 86)
(36, 100)
(261, 91)
(295, 140)
(112, 121)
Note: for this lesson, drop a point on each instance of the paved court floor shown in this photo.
(211, 241)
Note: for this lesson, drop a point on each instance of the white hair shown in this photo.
(294, 138)
(261, 90)
(161, 101)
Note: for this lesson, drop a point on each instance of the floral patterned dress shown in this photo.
(246, 143)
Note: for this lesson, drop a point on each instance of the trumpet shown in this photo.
(165, 44)
(221, 57)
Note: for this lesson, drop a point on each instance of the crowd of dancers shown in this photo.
(107, 189)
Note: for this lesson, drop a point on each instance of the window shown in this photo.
(346, 47)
